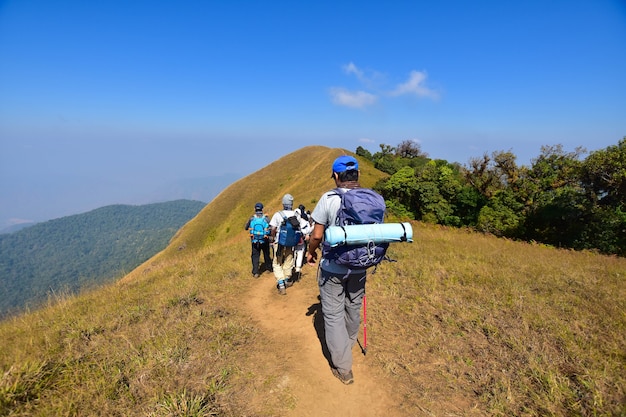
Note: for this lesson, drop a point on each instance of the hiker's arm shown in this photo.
(314, 242)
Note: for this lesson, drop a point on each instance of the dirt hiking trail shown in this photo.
(294, 321)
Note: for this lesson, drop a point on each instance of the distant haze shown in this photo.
(56, 198)
(109, 102)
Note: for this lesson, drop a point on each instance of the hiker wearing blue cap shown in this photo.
(341, 288)
(259, 227)
(345, 163)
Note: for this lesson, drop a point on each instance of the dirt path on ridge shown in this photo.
(294, 321)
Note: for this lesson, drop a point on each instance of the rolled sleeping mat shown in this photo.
(359, 234)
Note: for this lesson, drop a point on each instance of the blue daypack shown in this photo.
(289, 234)
(358, 206)
(259, 228)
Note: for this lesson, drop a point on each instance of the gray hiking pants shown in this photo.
(341, 307)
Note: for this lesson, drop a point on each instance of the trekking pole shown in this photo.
(364, 348)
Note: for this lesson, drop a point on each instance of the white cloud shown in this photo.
(366, 140)
(368, 78)
(415, 86)
(352, 69)
(356, 99)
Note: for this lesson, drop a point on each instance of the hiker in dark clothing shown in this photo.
(259, 227)
(300, 249)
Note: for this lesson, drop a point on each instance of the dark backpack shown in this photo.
(303, 213)
(358, 206)
(259, 228)
(289, 233)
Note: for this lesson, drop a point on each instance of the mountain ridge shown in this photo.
(222, 220)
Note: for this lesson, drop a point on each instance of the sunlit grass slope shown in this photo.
(514, 328)
(305, 174)
(464, 324)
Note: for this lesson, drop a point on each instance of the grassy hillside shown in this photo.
(462, 324)
(74, 252)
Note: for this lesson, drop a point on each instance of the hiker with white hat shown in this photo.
(285, 235)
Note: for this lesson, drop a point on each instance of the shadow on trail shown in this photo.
(315, 310)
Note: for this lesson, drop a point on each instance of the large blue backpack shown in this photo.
(358, 206)
(289, 234)
(259, 228)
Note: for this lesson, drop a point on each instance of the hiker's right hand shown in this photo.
(311, 258)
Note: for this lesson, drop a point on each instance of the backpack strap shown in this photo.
(339, 191)
(403, 238)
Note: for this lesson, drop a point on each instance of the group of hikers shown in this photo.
(285, 261)
(287, 255)
(341, 284)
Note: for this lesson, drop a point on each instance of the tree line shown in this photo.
(562, 199)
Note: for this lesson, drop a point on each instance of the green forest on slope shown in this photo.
(560, 199)
(76, 252)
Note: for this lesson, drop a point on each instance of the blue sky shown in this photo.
(102, 101)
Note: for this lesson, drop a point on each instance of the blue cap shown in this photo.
(258, 206)
(345, 163)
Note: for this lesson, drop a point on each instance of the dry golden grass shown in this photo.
(461, 322)
(513, 328)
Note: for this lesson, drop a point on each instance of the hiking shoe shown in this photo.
(346, 378)
(288, 283)
(282, 291)
(256, 275)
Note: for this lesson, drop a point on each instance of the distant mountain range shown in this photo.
(16, 227)
(59, 197)
(76, 252)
